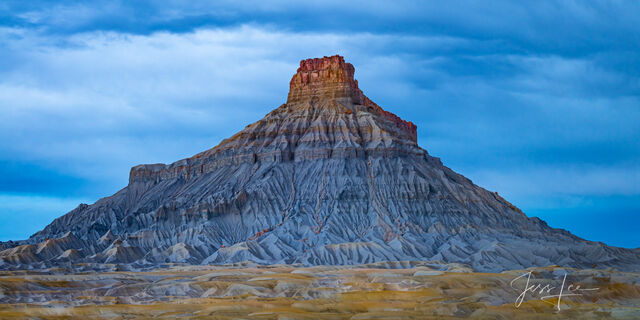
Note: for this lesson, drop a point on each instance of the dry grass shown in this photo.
(274, 292)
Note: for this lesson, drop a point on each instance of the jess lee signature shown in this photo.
(547, 291)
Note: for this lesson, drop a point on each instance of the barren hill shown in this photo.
(327, 178)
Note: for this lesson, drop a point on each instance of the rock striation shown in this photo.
(327, 178)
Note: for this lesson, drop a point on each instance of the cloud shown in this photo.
(528, 181)
(544, 26)
(24, 215)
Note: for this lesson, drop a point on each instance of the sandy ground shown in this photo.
(289, 292)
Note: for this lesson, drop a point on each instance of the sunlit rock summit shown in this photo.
(327, 178)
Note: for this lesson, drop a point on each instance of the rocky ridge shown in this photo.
(327, 178)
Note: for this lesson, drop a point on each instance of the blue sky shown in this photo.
(539, 101)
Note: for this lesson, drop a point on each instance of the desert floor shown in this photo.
(423, 291)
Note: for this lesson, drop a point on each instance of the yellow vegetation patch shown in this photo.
(274, 292)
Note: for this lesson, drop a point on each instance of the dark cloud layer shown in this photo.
(537, 100)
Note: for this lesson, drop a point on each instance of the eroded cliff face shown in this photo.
(327, 178)
(326, 116)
